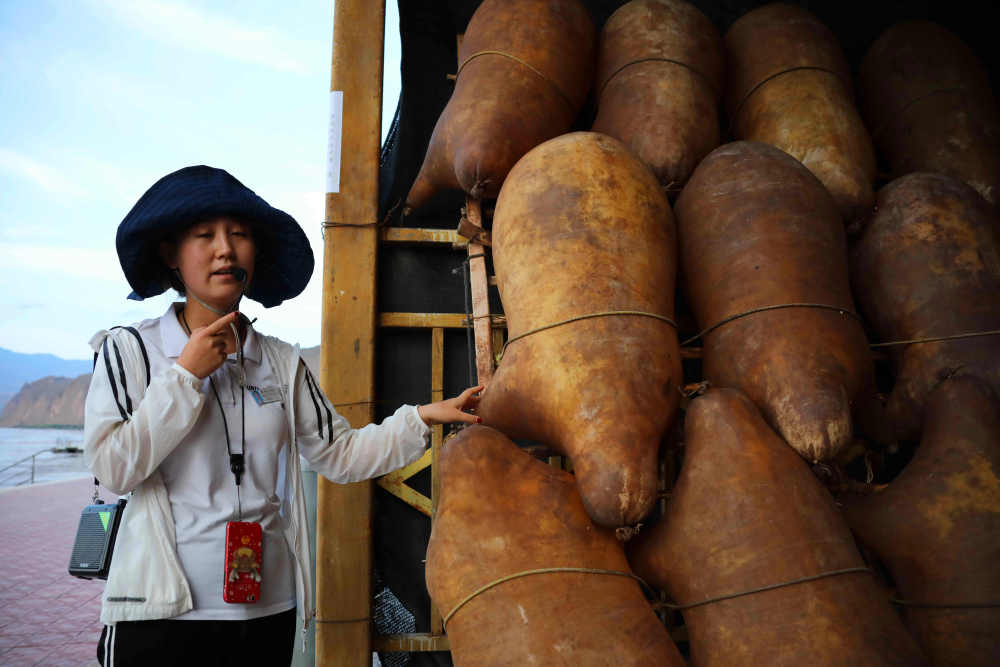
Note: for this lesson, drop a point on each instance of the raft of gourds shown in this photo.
(803, 278)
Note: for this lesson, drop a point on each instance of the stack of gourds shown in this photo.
(767, 237)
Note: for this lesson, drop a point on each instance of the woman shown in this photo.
(203, 419)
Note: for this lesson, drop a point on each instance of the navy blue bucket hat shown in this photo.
(284, 260)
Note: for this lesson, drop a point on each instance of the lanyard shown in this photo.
(236, 459)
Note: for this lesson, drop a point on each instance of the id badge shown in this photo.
(265, 395)
(243, 562)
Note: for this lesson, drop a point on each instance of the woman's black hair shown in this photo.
(175, 281)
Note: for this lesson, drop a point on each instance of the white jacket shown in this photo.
(146, 580)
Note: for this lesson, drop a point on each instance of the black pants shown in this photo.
(268, 640)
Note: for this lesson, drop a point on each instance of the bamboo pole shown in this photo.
(347, 351)
(437, 440)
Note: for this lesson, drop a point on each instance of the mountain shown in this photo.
(50, 401)
(59, 400)
(17, 368)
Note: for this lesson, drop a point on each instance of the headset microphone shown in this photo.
(237, 272)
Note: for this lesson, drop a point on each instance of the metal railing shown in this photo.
(31, 479)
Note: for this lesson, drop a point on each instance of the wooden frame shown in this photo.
(347, 346)
(472, 219)
(395, 484)
(489, 335)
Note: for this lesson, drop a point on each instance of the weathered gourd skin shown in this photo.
(928, 102)
(501, 512)
(746, 512)
(666, 112)
(582, 227)
(937, 526)
(500, 108)
(757, 229)
(928, 265)
(808, 113)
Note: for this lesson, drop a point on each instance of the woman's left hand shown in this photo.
(453, 409)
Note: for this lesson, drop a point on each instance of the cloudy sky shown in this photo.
(100, 98)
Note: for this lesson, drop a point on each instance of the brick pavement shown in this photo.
(47, 617)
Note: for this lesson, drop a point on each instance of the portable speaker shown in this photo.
(95, 540)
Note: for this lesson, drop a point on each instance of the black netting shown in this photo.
(391, 618)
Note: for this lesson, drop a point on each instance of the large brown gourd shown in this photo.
(928, 103)
(758, 230)
(926, 266)
(790, 86)
(503, 512)
(937, 527)
(582, 228)
(747, 513)
(526, 68)
(659, 84)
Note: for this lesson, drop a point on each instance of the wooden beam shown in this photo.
(395, 483)
(407, 235)
(412, 642)
(422, 320)
(399, 488)
(433, 320)
(437, 439)
(347, 350)
(480, 296)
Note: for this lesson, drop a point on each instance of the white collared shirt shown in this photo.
(202, 488)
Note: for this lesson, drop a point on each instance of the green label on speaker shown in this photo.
(105, 518)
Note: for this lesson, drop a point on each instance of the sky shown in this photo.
(101, 98)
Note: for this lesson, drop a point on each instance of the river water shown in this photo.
(19, 443)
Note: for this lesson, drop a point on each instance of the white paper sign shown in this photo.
(333, 143)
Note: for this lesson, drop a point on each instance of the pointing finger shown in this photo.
(219, 325)
(471, 392)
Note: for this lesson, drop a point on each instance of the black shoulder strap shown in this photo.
(111, 378)
(127, 410)
(142, 347)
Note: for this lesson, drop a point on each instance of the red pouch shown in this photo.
(243, 562)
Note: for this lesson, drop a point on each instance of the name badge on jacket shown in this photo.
(265, 395)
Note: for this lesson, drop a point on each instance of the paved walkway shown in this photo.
(47, 617)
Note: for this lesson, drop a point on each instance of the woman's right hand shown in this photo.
(208, 347)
